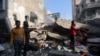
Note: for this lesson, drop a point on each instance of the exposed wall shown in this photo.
(3, 13)
(77, 2)
(5, 24)
(20, 8)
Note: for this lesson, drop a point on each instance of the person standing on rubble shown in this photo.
(17, 38)
(72, 35)
(27, 34)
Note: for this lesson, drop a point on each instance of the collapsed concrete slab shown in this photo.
(62, 27)
(1, 48)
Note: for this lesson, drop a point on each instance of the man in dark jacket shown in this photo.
(27, 34)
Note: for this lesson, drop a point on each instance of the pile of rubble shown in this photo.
(6, 51)
(56, 44)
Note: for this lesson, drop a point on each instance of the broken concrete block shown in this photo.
(56, 53)
(1, 48)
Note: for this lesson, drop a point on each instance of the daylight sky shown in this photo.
(64, 7)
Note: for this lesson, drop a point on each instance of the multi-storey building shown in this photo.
(88, 11)
(74, 4)
(11, 10)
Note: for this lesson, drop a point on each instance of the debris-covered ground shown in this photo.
(54, 50)
(6, 51)
(55, 47)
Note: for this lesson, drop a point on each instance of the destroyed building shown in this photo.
(87, 11)
(11, 10)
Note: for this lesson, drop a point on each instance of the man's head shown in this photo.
(73, 22)
(17, 23)
(26, 17)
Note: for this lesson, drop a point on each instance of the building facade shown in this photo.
(88, 12)
(10, 10)
(74, 4)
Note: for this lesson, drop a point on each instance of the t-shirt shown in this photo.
(16, 32)
(73, 30)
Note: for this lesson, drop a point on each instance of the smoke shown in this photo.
(49, 20)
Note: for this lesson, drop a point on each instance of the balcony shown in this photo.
(91, 5)
(86, 6)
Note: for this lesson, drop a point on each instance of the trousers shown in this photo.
(18, 46)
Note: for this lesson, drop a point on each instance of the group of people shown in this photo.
(20, 36)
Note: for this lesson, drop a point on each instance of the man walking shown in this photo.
(17, 38)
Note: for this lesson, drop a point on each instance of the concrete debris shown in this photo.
(95, 40)
(56, 53)
(61, 53)
(7, 50)
(60, 50)
(1, 48)
(81, 48)
(66, 49)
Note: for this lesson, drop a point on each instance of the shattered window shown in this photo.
(33, 17)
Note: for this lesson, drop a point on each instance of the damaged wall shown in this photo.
(20, 8)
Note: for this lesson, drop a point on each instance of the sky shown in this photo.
(64, 7)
